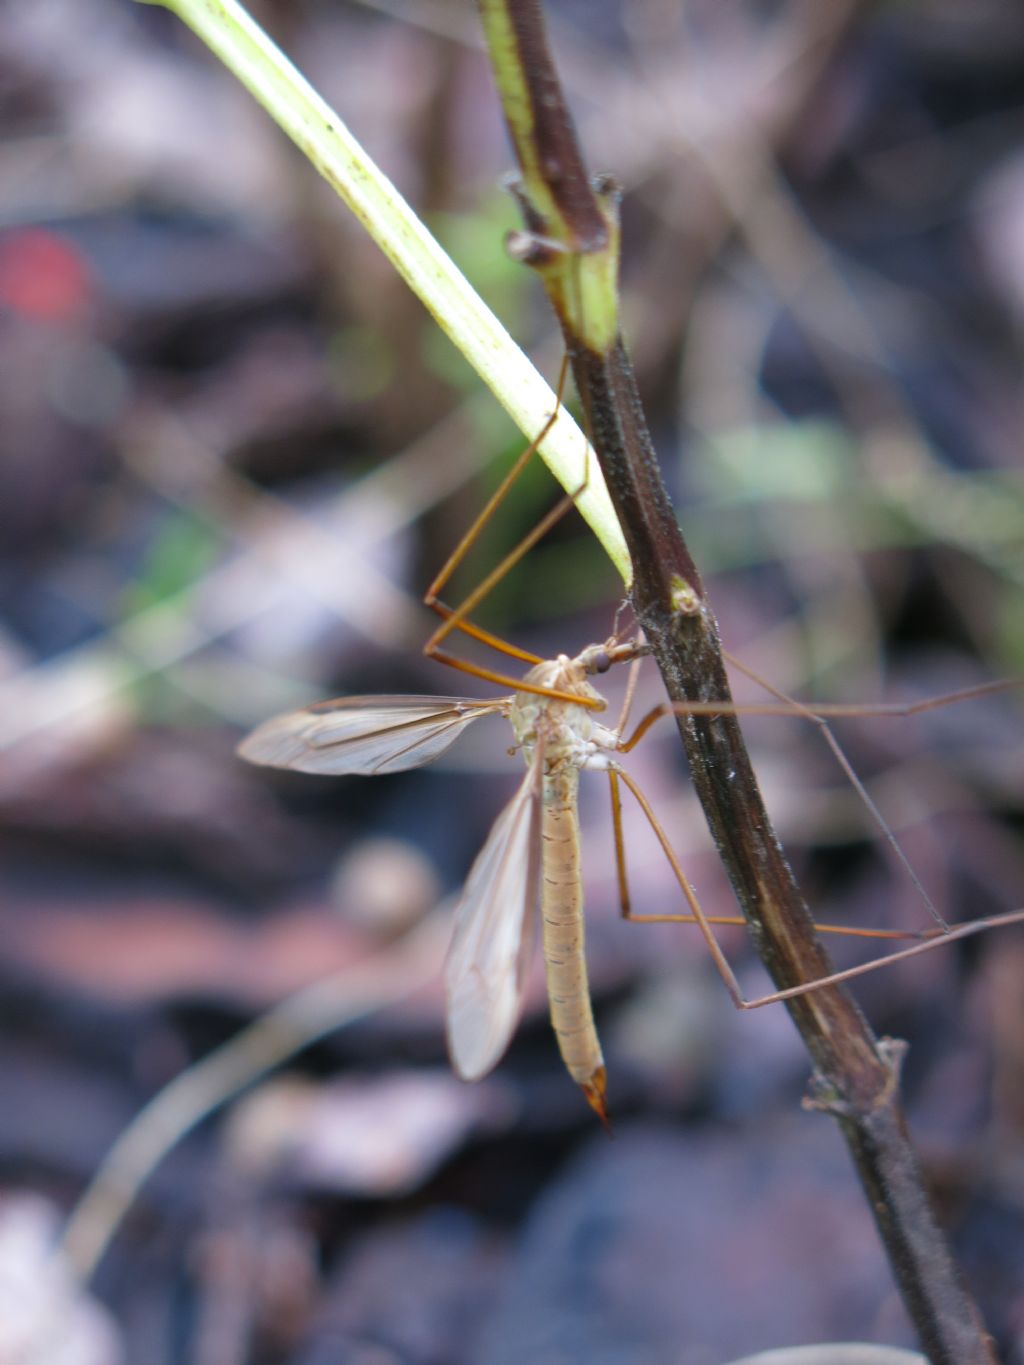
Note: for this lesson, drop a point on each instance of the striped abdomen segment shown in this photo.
(562, 921)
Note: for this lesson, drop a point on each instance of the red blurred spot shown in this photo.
(43, 276)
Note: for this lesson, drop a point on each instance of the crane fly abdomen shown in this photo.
(570, 740)
(563, 937)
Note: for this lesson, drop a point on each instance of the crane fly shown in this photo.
(531, 858)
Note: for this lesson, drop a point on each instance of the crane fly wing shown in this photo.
(494, 924)
(364, 735)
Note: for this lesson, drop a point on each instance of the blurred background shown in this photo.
(234, 451)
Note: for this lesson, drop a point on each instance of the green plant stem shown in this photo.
(230, 33)
(855, 1078)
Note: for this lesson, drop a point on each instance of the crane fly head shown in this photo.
(600, 658)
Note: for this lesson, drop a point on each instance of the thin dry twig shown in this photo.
(400, 970)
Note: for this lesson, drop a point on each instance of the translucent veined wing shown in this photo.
(493, 934)
(364, 735)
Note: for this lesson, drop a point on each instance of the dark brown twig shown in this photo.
(571, 239)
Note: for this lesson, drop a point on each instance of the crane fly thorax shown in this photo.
(567, 729)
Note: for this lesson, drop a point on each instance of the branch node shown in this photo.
(824, 1097)
(683, 598)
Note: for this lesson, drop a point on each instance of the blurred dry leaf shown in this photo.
(999, 227)
(45, 1318)
(146, 951)
(376, 1138)
(134, 114)
(152, 792)
(835, 1353)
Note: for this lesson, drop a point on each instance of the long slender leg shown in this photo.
(816, 714)
(811, 711)
(509, 680)
(675, 917)
(430, 597)
(630, 693)
(825, 730)
(456, 618)
(621, 875)
(932, 938)
(936, 940)
(700, 919)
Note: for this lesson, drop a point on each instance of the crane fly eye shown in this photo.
(602, 662)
